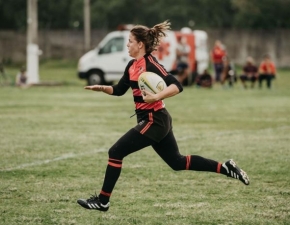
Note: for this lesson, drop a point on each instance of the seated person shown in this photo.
(228, 73)
(204, 80)
(250, 72)
(182, 54)
(21, 78)
(267, 71)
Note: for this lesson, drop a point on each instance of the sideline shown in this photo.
(63, 157)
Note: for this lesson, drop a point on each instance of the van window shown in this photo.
(114, 45)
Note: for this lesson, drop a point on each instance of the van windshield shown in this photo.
(113, 45)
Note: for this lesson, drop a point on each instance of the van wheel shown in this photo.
(95, 78)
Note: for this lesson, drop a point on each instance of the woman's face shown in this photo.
(133, 46)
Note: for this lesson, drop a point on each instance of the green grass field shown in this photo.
(54, 142)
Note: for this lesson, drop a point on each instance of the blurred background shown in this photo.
(246, 27)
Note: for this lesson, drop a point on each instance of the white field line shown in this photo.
(73, 155)
(62, 157)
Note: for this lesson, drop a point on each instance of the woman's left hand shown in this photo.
(170, 91)
(149, 97)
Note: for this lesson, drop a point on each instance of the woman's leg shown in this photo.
(168, 150)
(269, 79)
(131, 142)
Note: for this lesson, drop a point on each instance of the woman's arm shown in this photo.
(106, 89)
(118, 89)
(170, 91)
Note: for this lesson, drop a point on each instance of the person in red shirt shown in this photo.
(154, 123)
(267, 71)
(217, 54)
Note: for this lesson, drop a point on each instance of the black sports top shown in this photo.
(130, 79)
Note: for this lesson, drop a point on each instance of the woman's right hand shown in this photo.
(95, 87)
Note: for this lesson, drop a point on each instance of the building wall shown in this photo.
(69, 44)
(243, 43)
(56, 44)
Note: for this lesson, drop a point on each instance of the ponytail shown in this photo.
(151, 37)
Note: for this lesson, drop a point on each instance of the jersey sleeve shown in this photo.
(170, 79)
(124, 83)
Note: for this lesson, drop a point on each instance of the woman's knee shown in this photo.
(177, 167)
(115, 153)
(178, 164)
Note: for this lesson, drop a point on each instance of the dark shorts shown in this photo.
(265, 76)
(154, 124)
(246, 78)
(218, 67)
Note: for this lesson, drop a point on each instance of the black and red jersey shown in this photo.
(130, 79)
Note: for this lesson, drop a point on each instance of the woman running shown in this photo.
(154, 123)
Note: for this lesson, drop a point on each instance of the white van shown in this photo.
(106, 63)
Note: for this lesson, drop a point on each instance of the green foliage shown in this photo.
(54, 142)
(13, 14)
(55, 14)
(108, 14)
(262, 14)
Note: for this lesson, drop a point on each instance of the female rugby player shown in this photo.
(154, 123)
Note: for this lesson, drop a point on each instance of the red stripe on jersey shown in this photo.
(137, 92)
(148, 124)
(162, 70)
(138, 67)
(155, 105)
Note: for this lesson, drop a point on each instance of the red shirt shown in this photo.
(267, 68)
(218, 54)
(130, 80)
(138, 67)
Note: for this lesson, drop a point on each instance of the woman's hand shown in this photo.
(149, 97)
(100, 88)
(95, 87)
(166, 93)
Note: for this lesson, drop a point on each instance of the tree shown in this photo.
(108, 14)
(266, 14)
(13, 14)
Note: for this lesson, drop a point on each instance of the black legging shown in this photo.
(267, 77)
(167, 149)
(133, 141)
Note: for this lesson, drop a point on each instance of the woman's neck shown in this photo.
(140, 55)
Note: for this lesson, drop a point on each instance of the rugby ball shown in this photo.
(151, 82)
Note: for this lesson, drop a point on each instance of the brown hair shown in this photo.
(151, 37)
